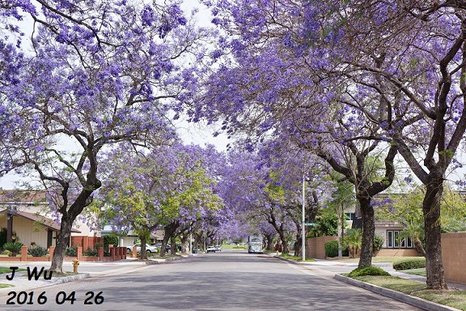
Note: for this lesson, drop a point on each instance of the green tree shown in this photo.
(407, 210)
(342, 198)
(326, 223)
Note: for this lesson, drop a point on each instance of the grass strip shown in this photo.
(296, 258)
(419, 271)
(451, 298)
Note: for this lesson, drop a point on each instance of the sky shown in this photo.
(190, 133)
(200, 133)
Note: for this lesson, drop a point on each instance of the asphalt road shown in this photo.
(220, 281)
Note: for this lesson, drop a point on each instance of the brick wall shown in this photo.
(86, 241)
(454, 256)
(397, 252)
(315, 247)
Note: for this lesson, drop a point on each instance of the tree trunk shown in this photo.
(164, 244)
(184, 243)
(269, 239)
(173, 245)
(169, 231)
(419, 247)
(143, 247)
(431, 211)
(297, 245)
(281, 233)
(368, 229)
(63, 239)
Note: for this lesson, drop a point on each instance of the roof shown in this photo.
(387, 224)
(23, 196)
(40, 219)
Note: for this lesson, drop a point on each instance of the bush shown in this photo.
(37, 251)
(352, 240)
(13, 247)
(71, 251)
(406, 264)
(7, 252)
(377, 243)
(2, 237)
(372, 270)
(331, 249)
(110, 239)
(90, 252)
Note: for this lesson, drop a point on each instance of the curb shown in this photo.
(287, 260)
(71, 278)
(300, 263)
(414, 301)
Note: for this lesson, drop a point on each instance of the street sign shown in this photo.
(310, 224)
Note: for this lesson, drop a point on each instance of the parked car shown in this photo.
(149, 248)
(218, 248)
(211, 249)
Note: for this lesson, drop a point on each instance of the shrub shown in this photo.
(90, 252)
(13, 247)
(372, 270)
(7, 252)
(352, 240)
(377, 243)
(110, 239)
(71, 251)
(331, 249)
(406, 264)
(2, 237)
(37, 251)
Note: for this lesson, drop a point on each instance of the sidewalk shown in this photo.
(327, 268)
(345, 267)
(85, 270)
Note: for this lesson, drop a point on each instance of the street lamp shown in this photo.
(303, 228)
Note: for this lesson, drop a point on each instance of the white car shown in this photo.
(211, 249)
(149, 248)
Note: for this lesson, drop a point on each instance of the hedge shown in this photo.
(406, 264)
(372, 270)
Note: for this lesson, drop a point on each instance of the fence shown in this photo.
(116, 253)
(454, 256)
(315, 247)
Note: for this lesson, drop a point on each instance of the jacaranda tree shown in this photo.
(93, 74)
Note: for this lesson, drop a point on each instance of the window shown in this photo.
(393, 240)
(410, 243)
(389, 239)
(350, 216)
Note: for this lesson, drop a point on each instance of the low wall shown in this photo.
(387, 252)
(86, 242)
(315, 247)
(116, 253)
(454, 256)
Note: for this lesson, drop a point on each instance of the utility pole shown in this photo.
(303, 229)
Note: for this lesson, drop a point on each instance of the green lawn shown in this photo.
(452, 298)
(8, 270)
(378, 259)
(419, 271)
(233, 246)
(296, 258)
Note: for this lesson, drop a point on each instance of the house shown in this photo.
(130, 238)
(389, 230)
(26, 216)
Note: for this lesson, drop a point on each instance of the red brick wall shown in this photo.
(86, 242)
(454, 256)
(315, 247)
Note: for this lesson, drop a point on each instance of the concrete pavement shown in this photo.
(86, 269)
(218, 281)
